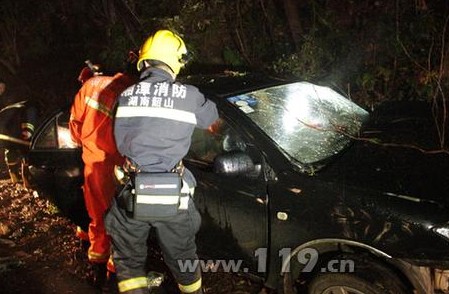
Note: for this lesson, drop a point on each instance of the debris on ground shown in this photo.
(39, 252)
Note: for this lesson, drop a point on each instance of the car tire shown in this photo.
(352, 284)
(369, 276)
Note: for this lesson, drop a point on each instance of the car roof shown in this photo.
(229, 83)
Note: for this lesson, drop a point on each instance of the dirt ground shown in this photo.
(39, 252)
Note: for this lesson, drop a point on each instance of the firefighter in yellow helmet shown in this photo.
(166, 48)
(154, 122)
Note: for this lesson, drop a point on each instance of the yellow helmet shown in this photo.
(163, 46)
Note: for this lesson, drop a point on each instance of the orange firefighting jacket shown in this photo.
(91, 117)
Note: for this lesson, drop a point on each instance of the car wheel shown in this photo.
(368, 276)
(350, 284)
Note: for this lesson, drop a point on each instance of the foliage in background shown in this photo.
(372, 50)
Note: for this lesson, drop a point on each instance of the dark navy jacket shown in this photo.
(155, 119)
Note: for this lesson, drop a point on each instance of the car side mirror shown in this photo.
(235, 164)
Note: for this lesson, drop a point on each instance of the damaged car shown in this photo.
(304, 190)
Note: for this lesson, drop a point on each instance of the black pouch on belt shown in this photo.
(156, 196)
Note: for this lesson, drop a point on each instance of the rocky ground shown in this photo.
(39, 252)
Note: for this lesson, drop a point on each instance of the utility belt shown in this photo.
(156, 195)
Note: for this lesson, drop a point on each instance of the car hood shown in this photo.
(400, 160)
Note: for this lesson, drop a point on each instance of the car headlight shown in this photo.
(442, 230)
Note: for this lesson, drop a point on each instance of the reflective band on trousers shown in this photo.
(195, 286)
(28, 126)
(93, 256)
(160, 112)
(131, 284)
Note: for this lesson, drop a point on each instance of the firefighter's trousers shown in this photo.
(176, 237)
(99, 190)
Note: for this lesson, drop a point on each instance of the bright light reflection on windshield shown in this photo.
(307, 121)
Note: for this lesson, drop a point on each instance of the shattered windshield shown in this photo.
(308, 122)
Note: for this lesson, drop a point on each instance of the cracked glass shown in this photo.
(308, 122)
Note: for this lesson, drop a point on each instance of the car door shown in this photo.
(56, 167)
(233, 207)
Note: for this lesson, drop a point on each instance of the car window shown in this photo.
(56, 134)
(308, 122)
(218, 139)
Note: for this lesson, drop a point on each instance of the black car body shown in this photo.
(301, 187)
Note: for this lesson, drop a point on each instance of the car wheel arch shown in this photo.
(328, 249)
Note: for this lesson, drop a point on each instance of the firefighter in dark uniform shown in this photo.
(154, 121)
(18, 120)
